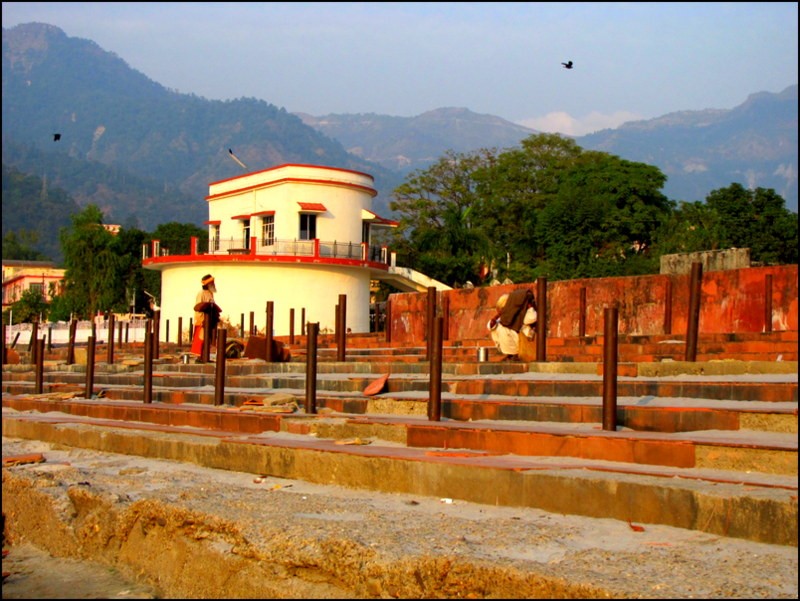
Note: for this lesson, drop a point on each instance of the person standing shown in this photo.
(205, 309)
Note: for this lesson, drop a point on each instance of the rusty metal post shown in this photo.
(668, 307)
(446, 316)
(156, 332)
(111, 332)
(693, 324)
(90, 367)
(252, 323)
(541, 321)
(120, 328)
(342, 321)
(219, 383)
(582, 323)
(388, 320)
(166, 331)
(268, 330)
(291, 326)
(768, 303)
(435, 387)
(148, 362)
(127, 329)
(73, 326)
(610, 354)
(4, 357)
(311, 368)
(180, 332)
(32, 341)
(430, 316)
(49, 338)
(241, 327)
(40, 366)
(303, 321)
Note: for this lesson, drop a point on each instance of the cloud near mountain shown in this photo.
(560, 122)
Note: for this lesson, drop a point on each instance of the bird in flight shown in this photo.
(567, 65)
(235, 158)
(56, 137)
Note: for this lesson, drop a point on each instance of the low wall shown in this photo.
(731, 301)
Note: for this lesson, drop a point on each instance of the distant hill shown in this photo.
(405, 144)
(138, 150)
(754, 144)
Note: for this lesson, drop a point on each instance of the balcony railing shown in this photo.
(290, 248)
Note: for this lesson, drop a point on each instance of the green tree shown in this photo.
(437, 233)
(755, 219)
(690, 227)
(132, 279)
(176, 237)
(603, 219)
(30, 307)
(92, 265)
(512, 190)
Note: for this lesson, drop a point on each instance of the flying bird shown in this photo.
(56, 137)
(567, 65)
(235, 158)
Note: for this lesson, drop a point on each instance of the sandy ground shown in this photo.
(161, 529)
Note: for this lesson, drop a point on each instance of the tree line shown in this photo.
(547, 208)
(550, 208)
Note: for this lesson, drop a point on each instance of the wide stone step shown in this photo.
(648, 484)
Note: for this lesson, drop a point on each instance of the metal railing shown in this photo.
(292, 248)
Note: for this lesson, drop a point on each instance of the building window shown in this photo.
(246, 233)
(268, 230)
(37, 288)
(214, 237)
(308, 226)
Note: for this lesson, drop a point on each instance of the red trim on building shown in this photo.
(213, 222)
(297, 180)
(253, 258)
(316, 207)
(245, 216)
(263, 214)
(293, 165)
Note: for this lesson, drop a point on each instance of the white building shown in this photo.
(296, 235)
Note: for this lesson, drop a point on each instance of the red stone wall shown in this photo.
(730, 301)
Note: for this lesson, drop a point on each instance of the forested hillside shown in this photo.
(141, 152)
(34, 212)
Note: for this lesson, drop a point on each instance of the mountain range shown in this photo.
(146, 154)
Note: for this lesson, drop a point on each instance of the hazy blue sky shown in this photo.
(632, 60)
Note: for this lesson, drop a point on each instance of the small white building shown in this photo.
(298, 236)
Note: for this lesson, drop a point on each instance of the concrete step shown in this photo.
(755, 506)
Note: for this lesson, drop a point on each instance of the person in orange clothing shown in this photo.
(205, 308)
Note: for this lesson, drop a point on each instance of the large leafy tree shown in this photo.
(30, 307)
(437, 233)
(755, 219)
(92, 265)
(132, 280)
(512, 190)
(176, 237)
(602, 219)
